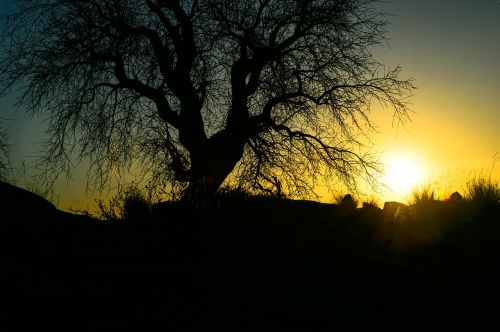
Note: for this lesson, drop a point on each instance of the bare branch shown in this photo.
(277, 93)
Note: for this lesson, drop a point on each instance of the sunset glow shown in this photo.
(275, 163)
(402, 174)
(452, 134)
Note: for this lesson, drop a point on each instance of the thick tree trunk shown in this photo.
(210, 165)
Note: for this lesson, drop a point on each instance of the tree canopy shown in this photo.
(269, 94)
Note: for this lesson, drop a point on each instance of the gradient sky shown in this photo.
(452, 50)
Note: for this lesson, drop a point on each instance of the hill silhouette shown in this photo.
(246, 263)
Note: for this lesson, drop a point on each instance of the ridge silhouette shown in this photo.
(247, 261)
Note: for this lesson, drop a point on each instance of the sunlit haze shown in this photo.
(402, 174)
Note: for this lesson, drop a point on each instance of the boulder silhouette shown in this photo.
(456, 196)
(395, 212)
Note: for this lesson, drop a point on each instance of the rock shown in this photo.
(394, 230)
(456, 196)
(370, 209)
(395, 212)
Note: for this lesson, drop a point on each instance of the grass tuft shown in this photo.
(422, 195)
(483, 191)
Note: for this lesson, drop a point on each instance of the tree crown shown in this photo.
(279, 91)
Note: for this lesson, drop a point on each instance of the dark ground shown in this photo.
(253, 265)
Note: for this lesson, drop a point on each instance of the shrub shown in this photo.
(129, 204)
(483, 191)
(110, 211)
(136, 205)
(346, 201)
(422, 195)
(371, 202)
(228, 193)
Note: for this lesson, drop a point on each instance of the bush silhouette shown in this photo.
(130, 204)
(136, 206)
(422, 195)
(483, 192)
(347, 202)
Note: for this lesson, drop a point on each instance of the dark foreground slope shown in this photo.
(241, 265)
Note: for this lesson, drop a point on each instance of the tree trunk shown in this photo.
(211, 165)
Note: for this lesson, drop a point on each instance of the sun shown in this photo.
(402, 174)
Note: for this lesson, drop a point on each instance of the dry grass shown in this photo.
(422, 195)
(483, 191)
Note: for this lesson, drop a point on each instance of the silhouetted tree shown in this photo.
(4, 154)
(273, 92)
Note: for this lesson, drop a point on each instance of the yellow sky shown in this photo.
(451, 49)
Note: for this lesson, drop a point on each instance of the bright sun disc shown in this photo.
(402, 174)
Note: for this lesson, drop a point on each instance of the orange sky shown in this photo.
(450, 48)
